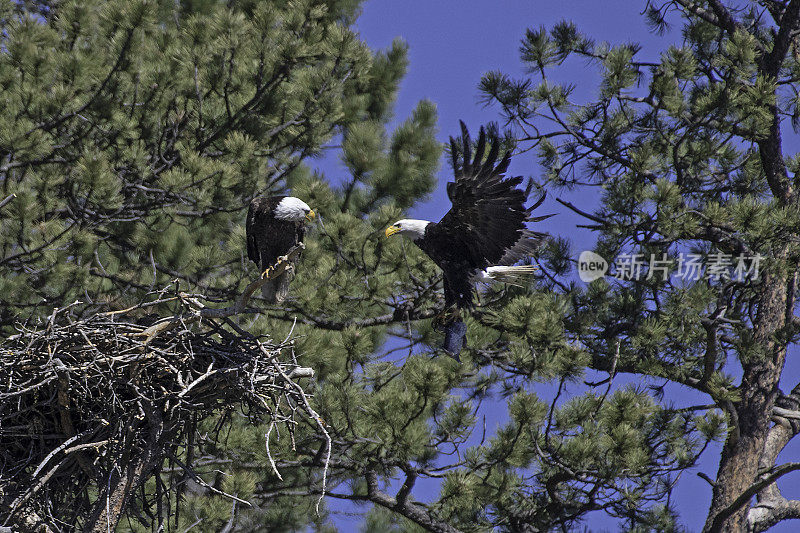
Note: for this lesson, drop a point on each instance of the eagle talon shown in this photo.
(445, 317)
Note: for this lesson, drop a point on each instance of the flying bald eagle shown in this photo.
(483, 234)
(275, 224)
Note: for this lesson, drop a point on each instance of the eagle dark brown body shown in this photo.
(269, 237)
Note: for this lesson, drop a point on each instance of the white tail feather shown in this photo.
(513, 275)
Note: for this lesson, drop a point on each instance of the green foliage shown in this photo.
(134, 135)
(141, 132)
(686, 152)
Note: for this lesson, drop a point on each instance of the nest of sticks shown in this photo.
(91, 409)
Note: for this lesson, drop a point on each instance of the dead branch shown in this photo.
(201, 311)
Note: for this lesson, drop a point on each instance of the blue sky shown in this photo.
(451, 45)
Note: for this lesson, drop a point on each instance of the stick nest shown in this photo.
(90, 409)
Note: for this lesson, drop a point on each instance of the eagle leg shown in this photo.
(455, 337)
(283, 263)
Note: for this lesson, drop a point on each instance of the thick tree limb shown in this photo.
(410, 510)
(744, 497)
(201, 311)
(767, 513)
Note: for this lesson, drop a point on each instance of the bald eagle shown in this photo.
(275, 224)
(483, 234)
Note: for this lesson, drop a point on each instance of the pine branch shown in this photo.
(695, 9)
(601, 221)
(52, 123)
(412, 511)
(744, 497)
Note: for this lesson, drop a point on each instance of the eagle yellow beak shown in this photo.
(391, 230)
(310, 215)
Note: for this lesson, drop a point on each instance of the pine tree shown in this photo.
(687, 151)
(133, 135)
(690, 152)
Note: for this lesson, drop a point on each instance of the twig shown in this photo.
(7, 199)
(200, 481)
(582, 213)
(56, 450)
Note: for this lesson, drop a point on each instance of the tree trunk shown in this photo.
(744, 447)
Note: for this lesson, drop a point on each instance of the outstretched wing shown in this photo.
(529, 241)
(487, 220)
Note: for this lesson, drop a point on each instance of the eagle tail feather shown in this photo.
(517, 275)
(268, 291)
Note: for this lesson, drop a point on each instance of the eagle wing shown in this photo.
(488, 216)
(250, 231)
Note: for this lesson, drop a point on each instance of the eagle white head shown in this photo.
(408, 226)
(294, 210)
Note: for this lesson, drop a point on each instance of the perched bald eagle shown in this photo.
(275, 224)
(483, 234)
